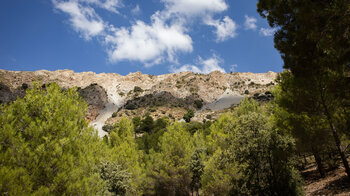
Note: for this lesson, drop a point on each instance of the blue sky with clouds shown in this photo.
(122, 36)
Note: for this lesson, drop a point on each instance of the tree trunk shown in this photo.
(319, 163)
(336, 138)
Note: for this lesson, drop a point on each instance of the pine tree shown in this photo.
(47, 147)
(169, 169)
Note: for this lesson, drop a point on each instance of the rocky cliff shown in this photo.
(136, 93)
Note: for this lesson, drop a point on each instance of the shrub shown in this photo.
(137, 89)
(108, 128)
(198, 104)
(188, 115)
(246, 92)
(208, 117)
(152, 109)
(24, 86)
(130, 106)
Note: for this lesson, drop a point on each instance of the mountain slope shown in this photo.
(164, 95)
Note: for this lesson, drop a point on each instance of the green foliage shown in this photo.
(197, 168)
(47, 147)
(247, 106)
(121, 94)
(137, 124)
(150, 140)
(264, 157)
(249, 156)
(123, 151)
(147, 124)
(137, 89)
(208, 117)
(169, 170)
(219, 171)
(313, 39)
(198, 104)
(130, 106)
(114, 114)
(188, 115)
(107, 128)
(117, 179)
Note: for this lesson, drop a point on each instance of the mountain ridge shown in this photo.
(106, 93)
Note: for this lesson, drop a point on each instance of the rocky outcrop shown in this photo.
(8, 95)
(111, 91)
(96, 99)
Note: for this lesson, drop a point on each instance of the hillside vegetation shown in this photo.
(179, 134)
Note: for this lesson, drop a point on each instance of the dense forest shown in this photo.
(48, 148)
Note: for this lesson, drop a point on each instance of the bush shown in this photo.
(24, 86)
(198, 104)
(268, 93)
(246, 92)
(117, 180)
(153, 109)
(208, 117)
(188, 115)
(137, 89)
(130, 106)
(114, 114)
(108, 128)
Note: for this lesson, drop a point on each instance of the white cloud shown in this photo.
(194, 7)
(148, 43)
(233, 67)
(83, 19)
(267, 31)
(225, 29)
(202, 66)
(136, 10)
(110, 5)
(250, 23)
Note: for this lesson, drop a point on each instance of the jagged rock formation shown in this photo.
(96, 99)
(106, 93)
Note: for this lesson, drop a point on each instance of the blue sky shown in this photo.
(122, 36)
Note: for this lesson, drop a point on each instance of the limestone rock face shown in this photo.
(96, 99)
(106, 92)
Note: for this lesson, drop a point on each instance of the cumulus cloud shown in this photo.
(148, 43)
(83, 19)
(194, 7)
(205, 9)
(161, 40)
(202, 66)
(110, 5)
(250, 23)
(267, 31)
(225, 28)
